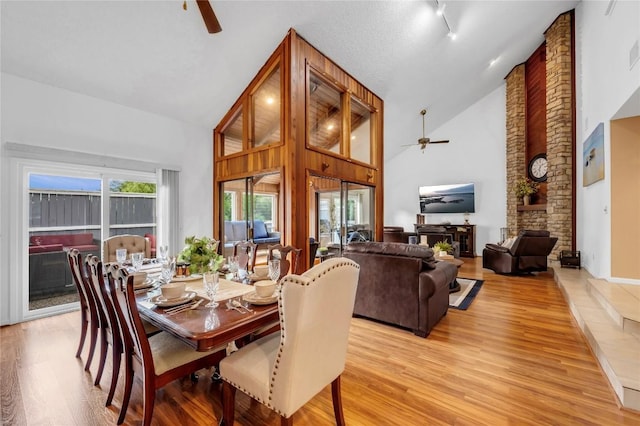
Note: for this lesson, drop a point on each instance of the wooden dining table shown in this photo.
(206, 328)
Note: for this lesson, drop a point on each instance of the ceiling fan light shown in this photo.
(452, 35)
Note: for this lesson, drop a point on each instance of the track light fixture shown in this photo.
(440, 12)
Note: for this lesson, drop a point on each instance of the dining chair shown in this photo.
(246, 253)
(133, 244)
(278, 251)
(158, 359)
(110, 334)
(87, 312)
(285, 370)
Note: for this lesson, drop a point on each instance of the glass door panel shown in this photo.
(64, 212)
(251, 211)
(132, 207)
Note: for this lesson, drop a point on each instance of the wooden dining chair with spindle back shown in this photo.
(157, 359)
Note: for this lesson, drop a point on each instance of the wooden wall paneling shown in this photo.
(536, 112)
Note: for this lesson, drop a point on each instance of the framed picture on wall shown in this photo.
(593, 156)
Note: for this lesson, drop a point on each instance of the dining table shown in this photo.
(205, 328)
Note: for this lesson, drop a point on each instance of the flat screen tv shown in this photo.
(458, 198)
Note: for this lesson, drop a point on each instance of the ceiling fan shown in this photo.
(210, 20)
(424, 141)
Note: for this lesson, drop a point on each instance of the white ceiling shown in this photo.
(154, 56)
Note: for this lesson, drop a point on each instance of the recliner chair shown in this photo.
(528, 253)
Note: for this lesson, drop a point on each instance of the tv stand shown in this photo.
(465, 235)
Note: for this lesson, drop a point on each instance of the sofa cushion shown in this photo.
(396, 249)
(259, 229)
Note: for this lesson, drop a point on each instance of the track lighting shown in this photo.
(440, 12)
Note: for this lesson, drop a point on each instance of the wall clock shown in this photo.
(538, 168)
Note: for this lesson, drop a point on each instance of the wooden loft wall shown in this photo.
(293, 157)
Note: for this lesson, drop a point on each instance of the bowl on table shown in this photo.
(139, 278)
(261, 271)
(173, 290)
(265, 288)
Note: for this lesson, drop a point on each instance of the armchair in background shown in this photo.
(525, 253)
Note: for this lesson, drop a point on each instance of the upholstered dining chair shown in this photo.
(285, 370)
(246, 252)
(157, 359)
(88, 314)
(278, 251)
(133, 244)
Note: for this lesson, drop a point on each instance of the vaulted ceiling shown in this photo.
(154, 56)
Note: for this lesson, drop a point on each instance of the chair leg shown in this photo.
(92, 346)
(116, 352)
(228, 404)
(337, 401)
(83, 333)
(104, 348)
(148, 401)
(128, 385)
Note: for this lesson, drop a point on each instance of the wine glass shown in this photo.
(210, 281)
(274, 269)
(232, 261)
(121, 255)
(136, 261)
(163, 252)
(168, 269)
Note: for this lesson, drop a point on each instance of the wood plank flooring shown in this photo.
(514, 357)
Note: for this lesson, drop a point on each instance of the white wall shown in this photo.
(476, 153)
(604, 83)
(37, 114)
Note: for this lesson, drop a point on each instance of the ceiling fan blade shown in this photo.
(439, 141)
(210, 20)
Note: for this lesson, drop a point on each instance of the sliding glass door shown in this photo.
(78, 208)
(341, 212)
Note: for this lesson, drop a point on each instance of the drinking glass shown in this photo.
(121, 255)
(163, 252)
(210, 281)
(136, 261)
(232, 261)
(168, 269)
(274, 269)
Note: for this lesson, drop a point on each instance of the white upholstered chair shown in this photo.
(285, 370)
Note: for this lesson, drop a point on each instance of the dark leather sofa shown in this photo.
(527, 253)
(401, 284)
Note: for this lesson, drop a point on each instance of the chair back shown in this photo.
(134, 336)
(313, 248)
(133, 244)
(246, 252)
(278, 251)
(100, 289)
(315, 315)
(533, 243)
(78, 273)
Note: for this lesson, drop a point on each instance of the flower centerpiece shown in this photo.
(524, 188)
(202, 254)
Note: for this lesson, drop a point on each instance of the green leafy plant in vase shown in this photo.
(442, 246)
(201, 254)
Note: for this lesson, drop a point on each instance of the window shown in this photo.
(266, 107)
(325, 115)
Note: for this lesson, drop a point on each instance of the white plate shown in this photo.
(164, 303)
(191, 277)
(148, 283)
(254, 299)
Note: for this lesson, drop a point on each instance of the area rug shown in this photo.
(468, 290)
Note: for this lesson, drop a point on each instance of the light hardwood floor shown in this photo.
(515, 356)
